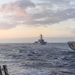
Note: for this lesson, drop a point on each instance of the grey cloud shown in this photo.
(48, 18)
(47, 14)
(24, 3)
(12, 20)
(6, 25)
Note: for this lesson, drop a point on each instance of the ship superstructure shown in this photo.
(41, 41)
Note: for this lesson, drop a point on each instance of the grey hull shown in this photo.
(41, 43)
(72, 45)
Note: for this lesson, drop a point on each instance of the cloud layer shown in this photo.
(43, 12)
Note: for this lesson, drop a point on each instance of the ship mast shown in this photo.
(41, 36)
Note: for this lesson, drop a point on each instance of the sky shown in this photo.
(25, 20)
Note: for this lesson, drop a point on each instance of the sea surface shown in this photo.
(30, 59)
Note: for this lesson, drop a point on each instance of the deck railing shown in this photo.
(4, 69)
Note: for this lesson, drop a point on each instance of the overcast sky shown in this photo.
(30, 18)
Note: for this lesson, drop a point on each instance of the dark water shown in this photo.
(29, 59)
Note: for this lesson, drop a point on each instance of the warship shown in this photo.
(40, 41)
(72, 45)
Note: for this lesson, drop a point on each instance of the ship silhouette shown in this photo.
(40, 41)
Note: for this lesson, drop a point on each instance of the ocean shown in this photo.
(30, 59)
